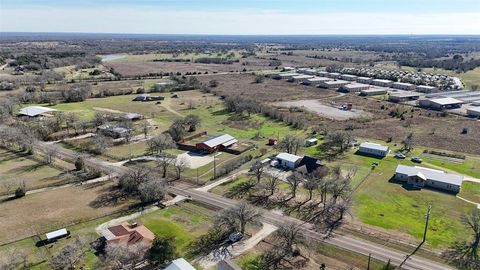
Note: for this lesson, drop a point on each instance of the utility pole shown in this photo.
(427, 218)
(369, 258)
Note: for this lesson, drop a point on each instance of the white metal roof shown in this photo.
(231, 142)
(356, 85)
(446, 101)
(35, 110)
(318, 79)
(402, 83)
(57, 233)
(288, 157)
(430, 174)
(375, 146)
(380, 80)
(180, 264)
(334, 82)
(299, 77)
(219, 140)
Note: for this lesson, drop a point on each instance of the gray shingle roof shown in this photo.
(430, 174)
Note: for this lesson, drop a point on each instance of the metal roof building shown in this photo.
(373, 149)
(420, 177)
(441, 103)
(180, 264)
(34, 111)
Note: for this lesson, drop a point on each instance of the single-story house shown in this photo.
(354, 87)
(382, 83)
(308, 165)
(180, 264)
(310, 142)
(148, 97)
(288, 161)
(348, 77)
(426, 88)
(113, 131)
(402, 96)
(35, 111)
(365, 80)
(332, 84)
(129, 234)
(373, 149)
(419, 177)
(214, 144)
(473, 112)
(307, 71)
(403, 86)
(374, 92)
(440, 103)
(315, 80)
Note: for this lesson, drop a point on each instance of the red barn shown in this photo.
(216, 143)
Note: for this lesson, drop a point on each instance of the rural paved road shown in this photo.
(359, 246)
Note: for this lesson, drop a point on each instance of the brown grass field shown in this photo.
(42, 212)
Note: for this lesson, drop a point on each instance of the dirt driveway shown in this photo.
(328, 111)
(195, 160)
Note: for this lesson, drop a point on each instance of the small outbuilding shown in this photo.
(288, 161)
(310, 142)
(113, 131)
(52, 236)
(36, 111)
(180, 264)
(373, 149)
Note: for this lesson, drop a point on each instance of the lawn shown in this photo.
(385, 204)
(471, 166)
(185, 222)
(470, 191)
(18, 166)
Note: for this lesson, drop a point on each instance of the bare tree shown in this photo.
(123, 256)
(465, 254)
(271, 184)
(192, 121)
(165, 161)
(69, 256)
(150, 191)
(257, 169)
(145, 128)
(100, 143)
(180, 165)
(177, 130)
(237, 217)
(408, 142)
(71, 121)
(294, 182)
(131, 181)
(290, 144)
(50, 155)
(160, 143)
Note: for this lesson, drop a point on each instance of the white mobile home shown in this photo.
(373, 92)
(365, 80)
(299, 78)
(348, 77)
(315, 81)
(403, 86)
(332, 84)
(355, 87)
(382, 83)
(426, 89)
(373, 149)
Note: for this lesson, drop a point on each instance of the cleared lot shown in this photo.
(330, 112)
(41, 212)
(195, 160)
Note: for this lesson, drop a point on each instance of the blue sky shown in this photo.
(243, 16)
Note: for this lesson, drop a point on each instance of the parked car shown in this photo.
(399, 156)
(235, 237)
(417, 160)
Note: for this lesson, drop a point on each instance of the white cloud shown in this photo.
(157, 20)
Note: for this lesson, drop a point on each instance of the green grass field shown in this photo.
(18, 166)
(471, 166)
(157, 56)
(185, 222)
(470, 191)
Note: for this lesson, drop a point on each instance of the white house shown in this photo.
(419, 177)
(288, 161)
(373, 149)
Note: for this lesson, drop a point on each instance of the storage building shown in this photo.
(334, 75)
(214, 144)
(332, 84)
(35, 111)
(288, 161)
(284, 76)
(322, 73)
(373, 149)
(355, 87)
(426, 89)
(473, 112)
(419, 177)
(365, 80)
(374, 92)
(403, 86)
(299, 78)
(315, 80)
(440, 103)
(348, 77)
(402, 96)
(382, 83)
